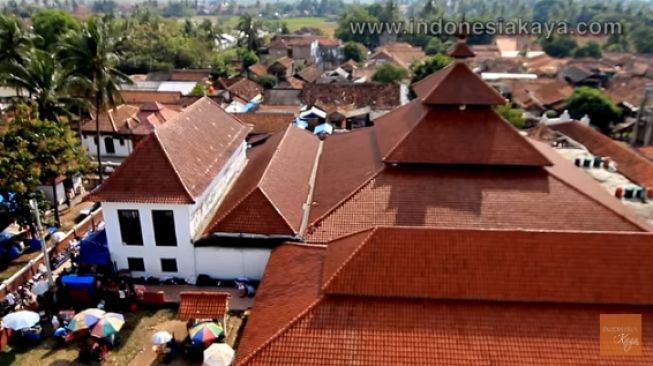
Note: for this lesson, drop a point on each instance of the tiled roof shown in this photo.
(284, 61)
(628, 89)
(119, 119)
(149, 96)
(444, 88)
(544, 64)
(376, 96)
(310, 73)
(295, 83)
(418, 133)
(292, 323)
(647, 151)
(463, 264)
(629, 163)
(460, 49)
(245, 89)
(540, 93)
(401, 53)
(177, 162)
(475, 197)
(269, 195)
(202, 305)
(258, 69)
(189, 75)
(266, 122)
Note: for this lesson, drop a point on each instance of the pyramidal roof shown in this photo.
(461, 50)
(456, 84)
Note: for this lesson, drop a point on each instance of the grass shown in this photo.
(134, 336)
(294, 23)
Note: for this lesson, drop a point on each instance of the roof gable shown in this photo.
(460, 49)
(456, 85)
(461, 264)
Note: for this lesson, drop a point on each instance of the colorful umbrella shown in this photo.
(21, 320)
(161, 337)
(219, 354)
(205, 333)
(86, 319)
(110, 324)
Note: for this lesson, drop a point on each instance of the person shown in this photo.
(55, 322)
(11, 299)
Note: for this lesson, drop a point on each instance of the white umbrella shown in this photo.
(58, 236)
(161, 337)
(219, 354)
(40, 288)
(21, 320)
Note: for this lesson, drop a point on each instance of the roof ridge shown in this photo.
(282, 330)
(174, 168)
(407, 131)
(359, 248)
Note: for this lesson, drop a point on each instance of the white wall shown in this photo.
(122, 151)
(49, 195)
(149, 251)
(216, 191)
(230, 263)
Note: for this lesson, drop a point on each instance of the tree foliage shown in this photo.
(354, 51)
(596, 105)
(428, 65)
(590, 49)
(389, 74)
(50, 24)
(513, 115)
(559, 46)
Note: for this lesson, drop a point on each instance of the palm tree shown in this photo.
(91, 53)
(248, 28)
(15, 43)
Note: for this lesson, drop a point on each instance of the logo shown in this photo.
(621, 334)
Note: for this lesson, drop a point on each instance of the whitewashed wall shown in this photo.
(121, 150)
(49, 195)
(230, 263)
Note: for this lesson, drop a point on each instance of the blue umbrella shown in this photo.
(21, 320)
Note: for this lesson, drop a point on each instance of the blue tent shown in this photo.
(94, 249)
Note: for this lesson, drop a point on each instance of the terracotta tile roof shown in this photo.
(245, 89)
(460, 49)
(540, 93)
(476, 197)
(349, 65)
(177, 162)
(310, 73)
(190, 75)
(148, 96)
(295, 83)
(632, 165)
(264, 122)
(284, 61)
(202, 305)
(417, 133)
(293, 323)
(258, 69)
(444, 87)
(402, 54)
(279, 108)
(376, 96)
(119, 119)
(628, 89)
(544, 64)
(537, 266)
(647, 151)
(485, 51)
(269, 195)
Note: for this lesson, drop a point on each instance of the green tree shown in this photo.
(559, 46)
(436, 45)
(643, 39)
(15, 41)
(356, 15)
(590, 49)
(596, 105)
(47, 84)
(249, 28)
(267, 81)
(513, 115)
(33, 151)
(50, 25)
(428, 65)
(221, 69)
(354, 51)
(389, 74)
(248, 57)
(91, 54)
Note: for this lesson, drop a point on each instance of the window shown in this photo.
(168, 265)
(130, 227)
(121, 141)
(108, 145)
(136, 264)
(164, 228)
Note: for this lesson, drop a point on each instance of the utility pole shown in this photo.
(39, 233)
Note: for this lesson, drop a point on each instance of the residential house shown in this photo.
(402, 227)
(122, 127)
(196, 75)
(397, 53)
(282, 69)
(309, 74)
(320, 50)
(587, 72)
(258, 70)
(539, 96)
(376, 96)
(544, 65)
(240, 94)
(628, 92)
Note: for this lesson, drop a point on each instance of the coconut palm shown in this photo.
(47, 84)
(91, 53)
(15, 43)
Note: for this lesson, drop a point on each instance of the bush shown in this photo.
(513, 115)
(389, 74)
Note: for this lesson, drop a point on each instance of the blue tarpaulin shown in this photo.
(78, 282)
(94, 249)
